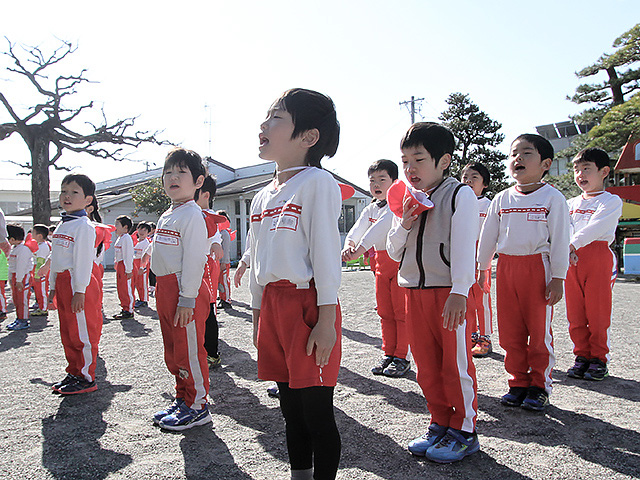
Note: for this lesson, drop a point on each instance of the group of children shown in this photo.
(432, 271)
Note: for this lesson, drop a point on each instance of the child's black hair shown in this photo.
(224, 214)
(541, 144)
(435, 138)
(94, 215)
(310, 109)
(209, 185)
(482, 170)
(183, 158)
(125, 221)
(87, 185)
(595, 155)
(387, 165)
(16, 232)
(144, 225)
(42, 230)
(52, 228)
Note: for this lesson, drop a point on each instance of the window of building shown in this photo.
(347, 218)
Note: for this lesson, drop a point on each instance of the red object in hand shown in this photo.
(399, 191)
(346, 191)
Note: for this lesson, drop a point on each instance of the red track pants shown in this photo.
(125, 288)
(479, 315)
(41, 290)
(20, 296)
(390, 300)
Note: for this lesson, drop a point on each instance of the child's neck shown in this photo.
(286, 170)
(430, 188)
(593, 193)
(529, 187)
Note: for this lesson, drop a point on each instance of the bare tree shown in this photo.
(47, 125)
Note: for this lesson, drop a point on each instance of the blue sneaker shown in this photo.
(454, 446)
(18, 325)
(185, 417)
(418, 446)
(514, 397)
(167, 411)
(537, 399)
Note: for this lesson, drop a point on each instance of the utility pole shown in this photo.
(412, 107)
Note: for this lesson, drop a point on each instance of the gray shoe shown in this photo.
(384, 363)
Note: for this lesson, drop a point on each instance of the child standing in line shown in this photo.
(76, 290)
(295, 276)
(224, 282)
(528, 226)
(20, 265)
(41, 283)
(593, 270)
(178, 256)
(4, 276)
(479, 315)
(124, 267)
(204, 199)
(141, 273)
(437, 254)
(370, 230)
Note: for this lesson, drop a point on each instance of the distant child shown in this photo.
(204, 198)
(295, 276)
(477, 176)
(141, 272)
(4, 276)
(103, 241)
(179, 254)
(370, 230)
(41, 283)
(20, 265)
(437, 253)
(593, 269)
(528, 226)
(224, 282)
(76, 290)
(124, 267)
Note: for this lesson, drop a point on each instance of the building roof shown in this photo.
(629, 160)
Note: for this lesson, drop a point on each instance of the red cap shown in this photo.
(397, 193)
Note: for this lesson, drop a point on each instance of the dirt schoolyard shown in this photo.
(591, 430)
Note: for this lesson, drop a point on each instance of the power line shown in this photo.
(414, 105)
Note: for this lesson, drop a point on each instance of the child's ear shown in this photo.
(88, 199)
(310, 137)
(546, 163)
(605, 172)
(199, 182)
(445, 161)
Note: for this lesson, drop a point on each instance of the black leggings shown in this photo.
(312, 434)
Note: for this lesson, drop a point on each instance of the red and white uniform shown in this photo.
(20, 266)
(141, 279)
(41, 284)
(437, 259)
(370, 231)
(178, 255)
(124, 266)
(212, 267)
(590, 282)
(479, 314)
(295, 267)
(72, 254)
(224, 282)
(530, 233)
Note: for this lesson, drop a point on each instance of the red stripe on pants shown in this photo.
(80, 332)
(446, 373)
(184, 352)
(125, 288)
(20, 296)
(390, 300)
(588, 295)
(524, 320)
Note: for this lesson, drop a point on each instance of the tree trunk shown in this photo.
(41, 206)
(616, 86)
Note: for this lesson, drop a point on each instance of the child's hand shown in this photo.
(256, 320)
(453, 312)
(347, 254)
(573, 256)
(77, 302)
(44, 269)
(20, 285)
(183, 316)
(483, 280)
(408, 214)
(323, 335)
(129, 275)
(237, 277)
(553, 293)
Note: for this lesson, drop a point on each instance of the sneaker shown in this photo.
(224, 304)
(514, 397)
(18, 325)
(80, 385)
(167, 411)
(482, 348)
(537, 399)
(384, 363)
(474, 338)
(184, 418)
(418, 446)
(214, 361)
(39, 313)
(273, 391)
(597, 370)
(3, 315)
(140, 304)
(454, 446)
(123, 315)
(398, 368)
(579, 368)
(65, 381)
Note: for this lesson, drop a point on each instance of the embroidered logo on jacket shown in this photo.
(534, 214)
(286, 217)
(167, 237)
(61, 240)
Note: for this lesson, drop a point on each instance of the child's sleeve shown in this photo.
(464, 225)
(377, 232)
(489, 236)
(246, 256)
(254, 287)
(83, 254)
(397, 239)
(195, 246)
(558, 222)
(127, 253)
(601, 224)
(359, 228)
(24, 263)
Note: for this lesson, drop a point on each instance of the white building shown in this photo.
(561, 136)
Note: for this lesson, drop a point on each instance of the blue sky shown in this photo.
(165, 61)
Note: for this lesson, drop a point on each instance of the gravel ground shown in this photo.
(592, 429)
